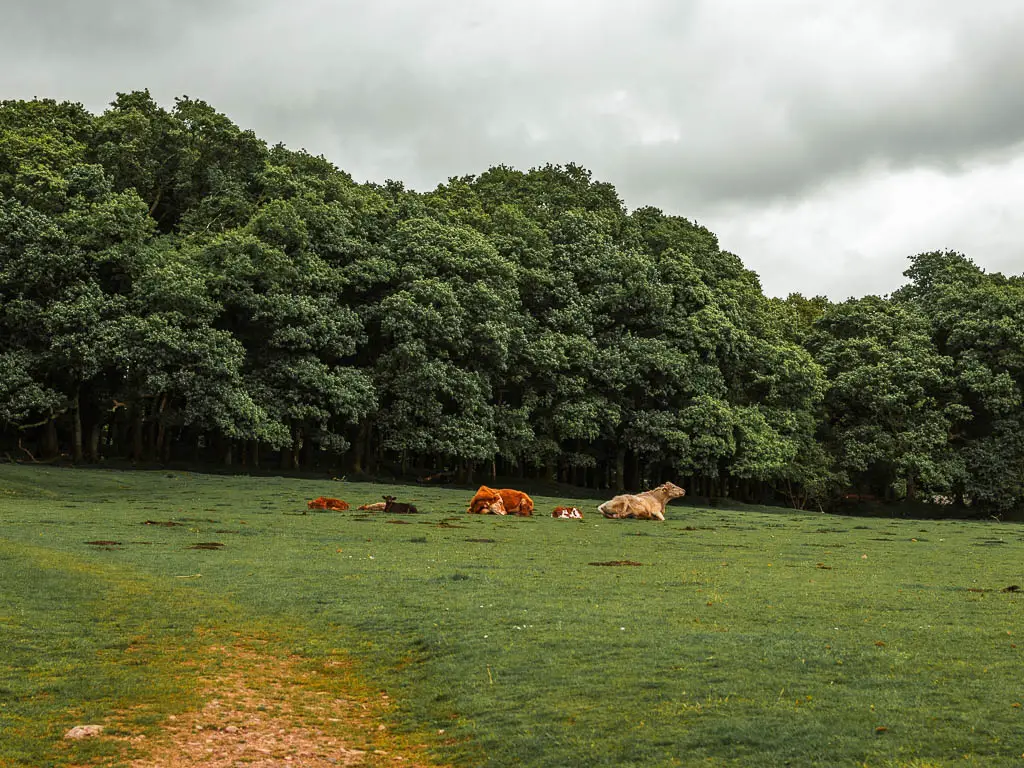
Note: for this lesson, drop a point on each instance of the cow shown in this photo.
(324, 502)
(377, 506)
(516, 502)
(397, 507)
(487, 501)
(649, 505)
(567, 513)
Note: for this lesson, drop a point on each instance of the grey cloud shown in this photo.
(714, 109)
(712, 100)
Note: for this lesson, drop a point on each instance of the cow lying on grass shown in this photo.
(377, 506)
(325, 502)
(397, 507)
(501, 501)
(567, 513)
(649, 505)
(516, 502)
(487, 501)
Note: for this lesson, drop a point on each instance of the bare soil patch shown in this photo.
(261, 710)
(614, 563)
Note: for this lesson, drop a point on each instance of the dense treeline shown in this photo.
(174, 289)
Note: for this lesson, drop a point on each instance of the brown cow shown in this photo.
(324, 502)
(516, 502)
(487, 501)
(398, 507)
(649, 505)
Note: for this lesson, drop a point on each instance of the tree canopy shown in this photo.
(173, 288)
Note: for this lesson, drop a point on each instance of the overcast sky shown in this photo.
(824, 142)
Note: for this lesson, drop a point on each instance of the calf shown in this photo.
(567, 513)
(397, 507)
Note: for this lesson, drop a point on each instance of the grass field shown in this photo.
(758, 637)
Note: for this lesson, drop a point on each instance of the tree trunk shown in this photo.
(911, 487)
(359, 449)
(51, 444)
(309, 455)
(290, 453)
(137, 426)
(297, 443)
(160, 431)
(95, 433)
(76, 440)
(620, 470)
(372, 451)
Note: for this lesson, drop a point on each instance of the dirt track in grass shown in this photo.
(262, 710)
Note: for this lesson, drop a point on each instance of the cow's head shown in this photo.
(487, 501)
(671, 490)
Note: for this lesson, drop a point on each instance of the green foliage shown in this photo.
(977, 320)
(173, 288)
(890, 405)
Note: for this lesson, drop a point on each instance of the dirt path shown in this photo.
(265, 711)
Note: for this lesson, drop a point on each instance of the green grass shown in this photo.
(746, 637)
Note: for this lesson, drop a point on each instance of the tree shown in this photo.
(977, 320)
(69, 246)
(891, 404)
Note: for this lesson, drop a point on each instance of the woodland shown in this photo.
(176, 290)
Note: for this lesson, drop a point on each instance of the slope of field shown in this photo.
(760, 637)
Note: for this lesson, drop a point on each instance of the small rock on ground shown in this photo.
(84, 732)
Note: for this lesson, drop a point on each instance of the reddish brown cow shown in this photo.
(325, 502)
(516, 502)
(487, 501)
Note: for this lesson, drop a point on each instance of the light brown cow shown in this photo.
(649, 505)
